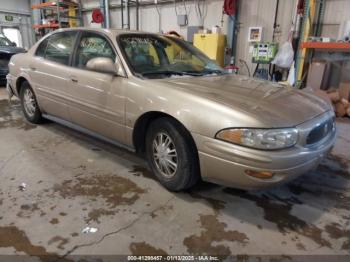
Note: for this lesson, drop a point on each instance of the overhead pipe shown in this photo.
(103, 10)
(231, 9)
(104, 7)
(140, 4)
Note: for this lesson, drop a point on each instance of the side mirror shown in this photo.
(103, 65)
(13, 44)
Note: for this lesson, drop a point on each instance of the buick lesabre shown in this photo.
(161, 97)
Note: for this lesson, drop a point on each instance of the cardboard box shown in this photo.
(344, 91)
(318, 76)
(345, 72)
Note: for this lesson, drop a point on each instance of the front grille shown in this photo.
(4, 63)
(320, 131)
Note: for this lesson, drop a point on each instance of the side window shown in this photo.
(59, 47)
(91, 46)
(40, 51)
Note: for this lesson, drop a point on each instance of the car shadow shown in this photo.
(322, 190)
(293, 207)
(324, 187)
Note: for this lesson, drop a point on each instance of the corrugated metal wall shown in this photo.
(337, 11)
(262, 13)
(20, 10)
(252, 13)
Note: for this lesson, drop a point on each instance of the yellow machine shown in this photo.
(213, 45)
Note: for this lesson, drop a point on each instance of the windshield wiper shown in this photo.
(170, 72)
(205, 72)
(163, 72)
(213, 71)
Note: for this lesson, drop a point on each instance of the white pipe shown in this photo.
(107, 19)
(7, 11)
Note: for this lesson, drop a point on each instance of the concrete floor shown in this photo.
(74, 181)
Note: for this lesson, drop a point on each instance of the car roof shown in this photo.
(111, 31)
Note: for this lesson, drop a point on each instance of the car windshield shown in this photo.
(4, 41)
(153, 56)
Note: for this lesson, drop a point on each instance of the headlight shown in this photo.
(260, 138)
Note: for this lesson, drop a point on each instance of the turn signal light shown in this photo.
(231, 135)
(263, 174)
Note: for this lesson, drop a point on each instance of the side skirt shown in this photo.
(87, 132)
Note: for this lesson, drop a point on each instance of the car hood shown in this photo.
(11, 50)
(270, 103)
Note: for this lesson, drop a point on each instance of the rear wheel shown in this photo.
(29, 104)
(172, 155)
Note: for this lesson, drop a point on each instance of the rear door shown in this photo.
(97, 99)
(49, 71)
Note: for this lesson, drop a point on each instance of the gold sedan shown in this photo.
(161, 97)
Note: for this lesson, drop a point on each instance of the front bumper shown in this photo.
(9, 88)
(224, 163)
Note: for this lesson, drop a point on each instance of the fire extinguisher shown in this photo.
(232, 68)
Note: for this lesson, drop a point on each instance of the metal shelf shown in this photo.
(46, 25)
(53, 4)
(331, 46)
(62, 14)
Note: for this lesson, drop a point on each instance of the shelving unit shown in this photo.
(306, 31)
(126, 5)
(58, 14)
(53, 25)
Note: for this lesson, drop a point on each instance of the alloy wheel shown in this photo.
(165, 155)
(29, 102)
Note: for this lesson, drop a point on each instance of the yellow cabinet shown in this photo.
(213, 45)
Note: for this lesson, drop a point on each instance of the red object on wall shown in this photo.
(97, 16)
(230, 7)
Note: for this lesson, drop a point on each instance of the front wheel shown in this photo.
(29, 104)
(172, 155)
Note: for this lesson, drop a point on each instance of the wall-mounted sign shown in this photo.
(9, 18)
(254, 34)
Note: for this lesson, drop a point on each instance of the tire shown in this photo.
(31, 110)
(186, 173)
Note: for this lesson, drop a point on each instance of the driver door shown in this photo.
(97, 100)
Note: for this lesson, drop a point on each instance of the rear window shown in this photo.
(58, 47)
(40, 51)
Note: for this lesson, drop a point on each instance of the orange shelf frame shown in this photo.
(46, 26)
(52, 4)
(43, 5)
(340, 47)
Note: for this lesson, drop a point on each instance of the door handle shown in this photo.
(73, 79)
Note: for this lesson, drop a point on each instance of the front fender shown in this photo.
(195, 113)
(17, 81)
